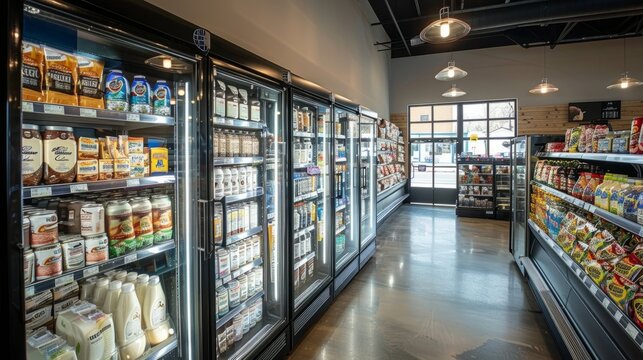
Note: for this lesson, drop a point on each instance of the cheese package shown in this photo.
(105, 169)
(103, 149)
(136, 145)
(87, 148)
(61, 77)
(159, 161)
(33, 64)
(137, 165)
(121, 168)
(62, 292)
(63, 305)
(90, 79)
(38, 317)
(86, 170)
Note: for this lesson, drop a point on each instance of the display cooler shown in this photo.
(107, 119)
(475, 184)
(502, 183)
(367, 184)
(311, 260)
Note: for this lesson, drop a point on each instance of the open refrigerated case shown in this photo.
(346, 158)
(368, 184)
(311, 194)
(249, 290)
(108, 122)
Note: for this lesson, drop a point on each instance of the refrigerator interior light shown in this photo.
(276, 180)
(161, 62)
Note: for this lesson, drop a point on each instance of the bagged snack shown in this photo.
(568, 136)
(61, 77)
(621, 142)
(635, 134)
(33, 64)
(87, 148)
(103, 149)
(636, 309)
(136, 145)
(90, 83)
(565, 240)
(570, 222)
(574, 139)
(620, 289)
(581, 183)
(600, 131)
(582, 138)
(610, 252)
(598, 270)
(579, 252)
(600, 239)
(588, 192)
(585, 232)
(589, 134)
(629, 267)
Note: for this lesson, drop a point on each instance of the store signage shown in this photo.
(594, 111)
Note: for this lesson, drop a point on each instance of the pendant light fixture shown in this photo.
(451, 72)
(625, 82)
(544, 87)
(445, 29)
(454, 92)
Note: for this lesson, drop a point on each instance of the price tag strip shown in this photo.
(54, 109)
(131, 258)
(88, 112)
(77, 188)
(41, 191)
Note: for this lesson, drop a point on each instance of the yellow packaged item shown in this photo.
(103, 149)
(137, 165)
(33, 63)
(121, 168)
(105, 169)
(90, 84)
(159, 161)
(61, 77)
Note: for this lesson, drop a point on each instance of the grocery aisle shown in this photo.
(440, 287)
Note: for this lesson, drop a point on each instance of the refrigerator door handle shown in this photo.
(205, 239)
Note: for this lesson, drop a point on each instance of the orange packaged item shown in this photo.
(103, 149)
(90, 74)
(61, 77)
(33, 63)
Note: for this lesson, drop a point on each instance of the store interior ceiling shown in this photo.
(525, 23)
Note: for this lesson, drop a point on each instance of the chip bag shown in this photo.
(620, 289)
(598, 270)
(629, 267)
(61, 77)
(33, 64)
(636, 309)
(90, 84)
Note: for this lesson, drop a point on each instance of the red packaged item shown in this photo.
(568, 136)
(635, 135)
(589, 133)
(555, 147)
(620, 289)
(582, 139)
(599, 132)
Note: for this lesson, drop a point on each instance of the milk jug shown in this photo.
(111, 298)
(155, 312)
(100, 289)
(141, 287)
(127, 324)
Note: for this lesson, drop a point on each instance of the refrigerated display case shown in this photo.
(502, 175)
(108, 185)
(249, 293)
(346, 192)
(475, 188)
(368, 191)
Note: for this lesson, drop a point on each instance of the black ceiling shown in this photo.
(507, 22)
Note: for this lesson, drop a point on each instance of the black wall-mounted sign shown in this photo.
(595, 111)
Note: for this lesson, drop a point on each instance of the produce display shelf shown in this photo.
(237, 124)
(91, 270)
(619, 158)
(248, 160)
(240, 271)
(619, 316)
(229, 199)
(29, 192)
(237, 310)
(626, 224)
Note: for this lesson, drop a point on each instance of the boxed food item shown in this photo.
(136, 145)
(105, 169)
(33, 63)
(66, 291)
(90, 83)
(137, 165)
(61, 71)
(87, 148)
(159, 161)
(121, 168)
(87, 170)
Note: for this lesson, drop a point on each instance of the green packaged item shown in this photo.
(598, 270)
(620, 290)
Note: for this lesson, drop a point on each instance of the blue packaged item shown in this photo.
(141, 95)
(116, 91)
(161, 98)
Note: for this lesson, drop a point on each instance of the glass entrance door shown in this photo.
(433, 171)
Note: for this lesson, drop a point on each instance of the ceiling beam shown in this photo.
(398, 27)
(568, 27)
(417, 7)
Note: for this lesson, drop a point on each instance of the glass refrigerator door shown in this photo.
(346, 187)
(311, 198)
(249, 213)
(108, 189)
(367, 180)
(503, 187)
(519, 197)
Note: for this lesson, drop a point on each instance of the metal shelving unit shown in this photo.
(30, 192)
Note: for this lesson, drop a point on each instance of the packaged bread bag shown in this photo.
(90, 84)
(61, 71)
(33, 64)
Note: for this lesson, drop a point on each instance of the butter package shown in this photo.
(61, 71)
(33, 64)
(121, 168)
(86, 170)
(159, 161)
(136, 145)
(66, 291)
(90, 83)
(87, 148)
(137, 165)
(105, 169)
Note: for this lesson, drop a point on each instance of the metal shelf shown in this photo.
(229, 199)
(303, 166)
(241, 236)
(339, 136)
(240, 271)
(502, 188)
(619, 158)
(628, 225)
(386, 177)
(384, 193)
(388, 140)
(303, 134)
(304, 260)
(475, 207)
(160, 350)
(251, 160)
(479, 174)
(92, 270)
(100, 118)
(340, 207)
(306, 196)
(29, 192)
(305, 230)
(237, 124)
(234, 312)
(476, 195)
(622, 320)
(340, 229)
(476, 184)
(340, 159)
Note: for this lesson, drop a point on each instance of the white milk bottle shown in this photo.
(234, 181)
(218, 183)
(100, 289)
(227, 187)
(120, 276)
(155, 312)
(87, 289)
(111, 298)
(131, 277)
(127, 324)
(141, 287)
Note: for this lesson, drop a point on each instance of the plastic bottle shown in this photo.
(100, 289)
(127, 319)
(639, 217)
(297, 148)
(227, 186)
(120, 276)
(141, 287)
(219, 188)
(131, 277)
(111, 298)
(243, 185)
(155, 312)
(234, 181)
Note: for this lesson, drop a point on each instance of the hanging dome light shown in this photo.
(454, 92)
(544, 88)
(445, 29)
(450, 73)
(625, 82)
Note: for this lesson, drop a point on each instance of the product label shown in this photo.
(87, 167)
(60, 78)
(44, 229)
(116, 89)
(31, 154)
(162, 222)
(87, 148)
(95, 249)
(133, 326)
(143, 228)
(255, 112)
(74, 254)
(60, 155)
(159, 314)
(140, 93)
(31, 78)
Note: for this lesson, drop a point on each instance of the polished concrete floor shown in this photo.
(439, 287)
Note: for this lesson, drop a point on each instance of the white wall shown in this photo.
(581, 71)
(329, 42)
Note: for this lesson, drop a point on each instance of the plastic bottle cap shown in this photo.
(127, 287)
(102, 282)
(115, 285)
(143, 279)
(154, 279)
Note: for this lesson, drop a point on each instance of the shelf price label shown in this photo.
(641, 231)
(130, 258)
(133, 182)
(41, 191)
(64, 280)
(54, 109)
(88, 112)
(618, 316)
(90, 271)
(631, 331)
(76, 188)
(605, 302)
(27, 106)
(133, 117)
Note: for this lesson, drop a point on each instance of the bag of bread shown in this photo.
(33, 63)
(61, 77)
(90, 84)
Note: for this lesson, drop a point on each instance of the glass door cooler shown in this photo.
(311, 232)
(475, 188)
(367, 183)
(346, 192)
(248, 297)
(502, 174)
(108, 189)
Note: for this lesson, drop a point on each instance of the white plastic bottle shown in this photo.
(100, 289)
(131, 277)
(155, 312)
(243, 184)
(227, 187)
(249, 183)
(127, 324)
(141, 288)
(218, 183)
(111, 298)
(234, 181)
(120, 276)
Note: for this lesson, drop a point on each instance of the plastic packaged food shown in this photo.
(600, 131)
(636, 309)
(620, 142)
(61, 71)
(582, 138)
(604, 143)
(90, 83)
(629, 267)
(565, 240)
(579, 252)
(574, 139)
(588, 134)
(585, 232)
(598, 270)
(581, 183)
(33, 64)
(588, 192)
(631, 201)
(635, 135)
(620, 289)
